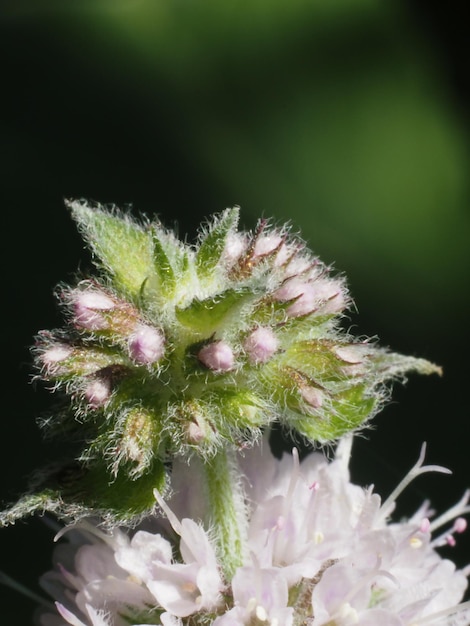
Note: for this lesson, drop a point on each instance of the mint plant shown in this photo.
(173, 364)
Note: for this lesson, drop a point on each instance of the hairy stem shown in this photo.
(227, 510)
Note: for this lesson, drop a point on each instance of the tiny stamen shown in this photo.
(460, 508)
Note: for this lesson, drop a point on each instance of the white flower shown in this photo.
(319, 551)
(260, 596)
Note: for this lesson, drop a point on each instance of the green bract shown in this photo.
(174, 350)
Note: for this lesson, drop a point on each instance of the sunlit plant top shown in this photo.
(174, 350)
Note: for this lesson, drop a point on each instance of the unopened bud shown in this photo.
(98, 392)
(330, 296)
(235, 246)
(354, 358)
(324, 296)
(54, 356)
(195, 433)
(196, 425)
(267, 244)
(137, 441)
(301, 292)
(312, 396)
(146, 344)
(352, 354)
(89, 306)
(217, 356)
(294, 264)
(260, 345)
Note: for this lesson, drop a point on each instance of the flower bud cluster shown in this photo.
(177, 349)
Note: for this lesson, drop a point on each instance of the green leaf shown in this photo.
(47, 500)
(315, 358)
(122, 245)
(239, 409)
(213, 243)
(120, 500)
(74, 491)
(162, 263)
(389, 365)
(205, 316)
(348, 411)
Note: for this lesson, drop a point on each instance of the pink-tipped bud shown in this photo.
(354, 358)
(352, 354)
(292, 288)
(312, 396)
(55, 354)
(195, 434)
(217, 356)
(267, 244)
(260, 345)
(297, 265)
(146, 344)
(331, 296)
(89, 306)
(235, 246)
(288, 258)
(97, 393)
(324, 296)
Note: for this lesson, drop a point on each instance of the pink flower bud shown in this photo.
(53, 357)
(324, 296)
(330, 295)
(217, 356)
(195, 433)
(300, 291)
(286, 256)
(55, 354)
(235, 246)
(352, 354)
(312, 395)
(354, 358)
(97, 393)
(266, 244)
(298, 265)
(260, 345)
(146, 344)
(88, 308)
(292, 288)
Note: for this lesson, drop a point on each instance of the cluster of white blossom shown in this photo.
(319, 550)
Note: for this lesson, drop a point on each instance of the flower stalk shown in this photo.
(227, 510)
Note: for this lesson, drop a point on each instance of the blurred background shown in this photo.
(350, 119)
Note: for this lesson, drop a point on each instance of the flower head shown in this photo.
(320, 550)
(176, 349)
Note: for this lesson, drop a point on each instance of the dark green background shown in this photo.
(349, 118)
